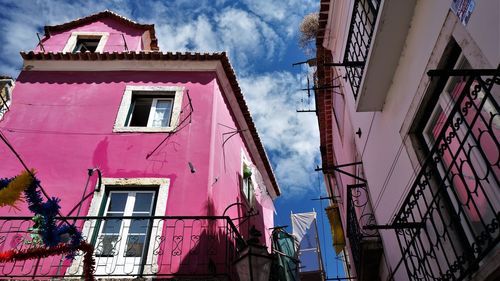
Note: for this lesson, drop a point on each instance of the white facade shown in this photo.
(394, 100)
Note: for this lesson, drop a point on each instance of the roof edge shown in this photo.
(106, 13)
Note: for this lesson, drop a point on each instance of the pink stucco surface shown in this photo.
(61, 123)
(117, 33)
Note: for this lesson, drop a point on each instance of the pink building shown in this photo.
(171, 135)
(407, 98)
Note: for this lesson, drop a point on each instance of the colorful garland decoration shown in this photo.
(44, 212)
(12, 188)
(34, 253)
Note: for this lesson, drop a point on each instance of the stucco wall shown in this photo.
(62, 124)
(117, 32)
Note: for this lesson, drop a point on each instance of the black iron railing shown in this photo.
(456, 194)
(132, 247)
(359, 214)
(359, 39)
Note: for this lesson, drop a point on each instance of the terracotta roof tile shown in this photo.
(324, 97)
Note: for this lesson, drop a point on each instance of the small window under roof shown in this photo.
(85, 44)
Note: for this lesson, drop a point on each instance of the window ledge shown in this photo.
(388, 42)
(143, 130)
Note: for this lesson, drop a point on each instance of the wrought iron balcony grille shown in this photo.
(129, 247)
(359, 214)
(359, 39)
(455, 195)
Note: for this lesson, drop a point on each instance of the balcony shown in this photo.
(454, 198)
(376, 37)
(366, 246)
(130, 247)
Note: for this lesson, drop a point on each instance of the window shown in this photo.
(93, 42)
(149, 109)
(5, 95)
(150, 112)
(466, 163)
(125, 245)
(247, 185)
(455, 195)
(247, 182)
(125, 237)
(86, 44)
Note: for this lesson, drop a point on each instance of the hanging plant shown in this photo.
(34, 231)
(247, 171)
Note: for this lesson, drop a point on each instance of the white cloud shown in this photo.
(244, 36)
(286, 14)
(291, 138)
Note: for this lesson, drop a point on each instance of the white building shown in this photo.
(407, 97)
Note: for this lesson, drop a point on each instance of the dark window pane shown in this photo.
(140, 112)
(112, 226)
(135, 245)
(86, 45)
(108, 245)
(143, 202)
(138, 226)
(117, 202)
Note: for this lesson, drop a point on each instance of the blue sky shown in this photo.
(260, 37)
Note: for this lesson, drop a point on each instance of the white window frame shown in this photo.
(152, 111)
(170, 92)
(71, 44)
(250, 197)
(151, 263)
(8, 84)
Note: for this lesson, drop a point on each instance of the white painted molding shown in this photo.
(124, 109)
(163, 184)
(70, 45)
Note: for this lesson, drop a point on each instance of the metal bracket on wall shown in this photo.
(346, 64)
(337, 169)
(358, 185)
(311, 61)
(321, 87)
(326, 198)
(411, 225)
(463, 72)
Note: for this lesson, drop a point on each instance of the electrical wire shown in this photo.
(18, 156)
(29, 131)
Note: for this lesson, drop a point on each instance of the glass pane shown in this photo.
(143, 202)
(112, 226)
(117, 202)
(162, 113)
(86, 45)
(107, 246)
(135, 245)
(138, 226)
(140, 112)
